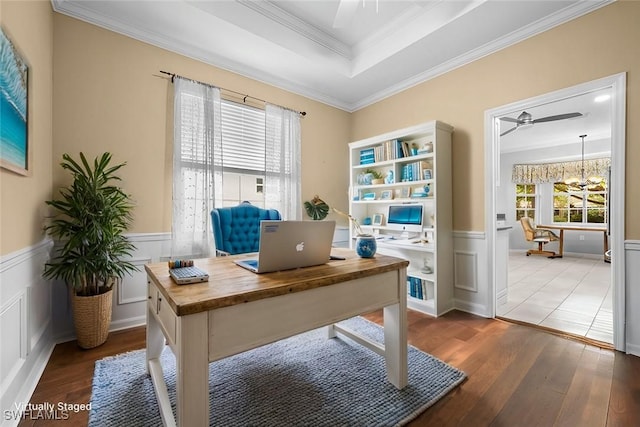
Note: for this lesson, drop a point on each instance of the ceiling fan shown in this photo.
(525, 119)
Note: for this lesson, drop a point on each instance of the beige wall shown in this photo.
(29, 25)
(600, 44)
(107, 96)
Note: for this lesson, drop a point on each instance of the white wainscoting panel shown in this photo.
(465, 270)
(632, 297)
(471, 290)
(13, 330)
(26, 339)
(129, 290)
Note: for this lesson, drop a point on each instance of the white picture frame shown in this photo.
(378, 219)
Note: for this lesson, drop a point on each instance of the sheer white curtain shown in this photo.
(197, 167)
(282, 161)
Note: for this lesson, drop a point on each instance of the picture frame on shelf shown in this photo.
(427, 174)
(386, 195)
(378, 219)
(405, 192)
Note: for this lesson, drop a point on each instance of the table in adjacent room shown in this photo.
(562, 229)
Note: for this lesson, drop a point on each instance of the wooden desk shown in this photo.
(562, 229)
(238, 310)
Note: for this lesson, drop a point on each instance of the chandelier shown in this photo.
(583, 182)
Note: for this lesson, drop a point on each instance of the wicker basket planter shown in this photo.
(92, 318)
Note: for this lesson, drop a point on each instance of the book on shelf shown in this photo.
(367, 156)
(417, 288)
(414, 171)
(389, 150)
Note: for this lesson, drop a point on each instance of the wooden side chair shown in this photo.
(539, 236)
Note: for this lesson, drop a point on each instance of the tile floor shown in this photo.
(571, 294)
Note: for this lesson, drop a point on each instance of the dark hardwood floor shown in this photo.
(517, 375)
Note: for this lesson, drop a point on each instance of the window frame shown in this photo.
(585, 193)
(530, 211)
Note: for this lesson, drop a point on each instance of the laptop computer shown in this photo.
(285, 245)
(187, 275)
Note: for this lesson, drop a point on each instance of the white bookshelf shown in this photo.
(431, 144)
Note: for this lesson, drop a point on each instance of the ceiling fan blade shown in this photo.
(558, 117)
(509, 131)
(346, 12)
(509, 119)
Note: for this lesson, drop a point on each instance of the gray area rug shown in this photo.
(305, 380)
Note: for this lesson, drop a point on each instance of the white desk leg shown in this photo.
(192, 370)
(155, 338)
(395, 336)
(155, 345)
(331, 331)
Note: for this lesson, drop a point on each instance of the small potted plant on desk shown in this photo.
(92, 215)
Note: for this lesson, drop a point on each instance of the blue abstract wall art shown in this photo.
(14, 147)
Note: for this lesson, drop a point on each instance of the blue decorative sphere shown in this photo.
(366, 246)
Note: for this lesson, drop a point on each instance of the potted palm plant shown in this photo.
(91, 217)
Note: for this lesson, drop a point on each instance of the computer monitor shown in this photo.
(405, 217)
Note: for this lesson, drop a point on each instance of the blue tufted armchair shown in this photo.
(236, 230)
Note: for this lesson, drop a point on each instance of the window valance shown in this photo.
(558, 172)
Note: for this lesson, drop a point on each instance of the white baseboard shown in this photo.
(633, 349)
(471, 308)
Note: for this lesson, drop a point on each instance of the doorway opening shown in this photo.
(579, 283)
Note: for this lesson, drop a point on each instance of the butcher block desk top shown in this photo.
(230, 284)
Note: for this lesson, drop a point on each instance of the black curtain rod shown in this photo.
(244, 96)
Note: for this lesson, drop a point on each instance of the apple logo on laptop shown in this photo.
(300, 247)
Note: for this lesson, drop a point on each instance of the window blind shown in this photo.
(243, 137)
(242, 132)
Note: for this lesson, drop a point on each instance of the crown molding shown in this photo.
(569, 13)
(78, 11)
(284, 18)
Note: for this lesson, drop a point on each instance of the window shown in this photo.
(574, 204)
(526, 201)
(242, 157)
(225, 153)
(243, 153)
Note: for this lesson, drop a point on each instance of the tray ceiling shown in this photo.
(347, 54)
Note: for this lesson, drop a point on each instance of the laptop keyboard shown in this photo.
(185, 272)
(252, 262)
